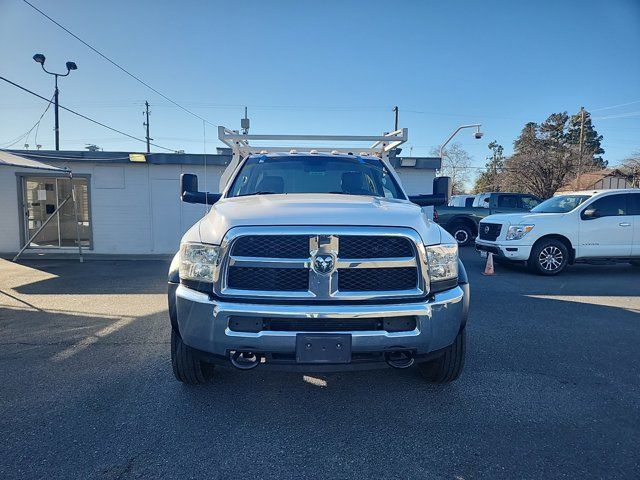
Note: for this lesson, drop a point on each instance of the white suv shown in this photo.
(601, 224)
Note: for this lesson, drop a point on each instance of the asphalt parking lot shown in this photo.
(551, 388)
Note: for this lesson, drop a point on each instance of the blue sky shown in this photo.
(326, 67)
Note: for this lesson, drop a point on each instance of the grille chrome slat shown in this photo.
(377, 263)
(269, 262)
(393, 267)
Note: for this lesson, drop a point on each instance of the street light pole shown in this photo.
(39, 58)
(55, 114)
(477, 135)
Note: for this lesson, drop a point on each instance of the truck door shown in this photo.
(634, 207)
(606, 228)
(505, 203)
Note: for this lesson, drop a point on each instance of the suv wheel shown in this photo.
(186, 367)
(462, 233)
(549, 257)
(448, 366)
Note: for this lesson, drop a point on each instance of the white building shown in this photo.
(128, 204)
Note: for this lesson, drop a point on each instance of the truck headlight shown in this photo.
(516, 232)
(443, 262)
(197, 261)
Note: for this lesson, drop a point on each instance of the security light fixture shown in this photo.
(40, 58)
(478, 135)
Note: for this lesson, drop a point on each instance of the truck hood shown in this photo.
(312, 210)
(518, 218)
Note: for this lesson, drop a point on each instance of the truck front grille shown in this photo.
(274, 246)
(377, 279)
(360, 246)
(269, 279)
(322, 264)
(489, 231)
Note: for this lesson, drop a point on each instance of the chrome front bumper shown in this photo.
(203, 323)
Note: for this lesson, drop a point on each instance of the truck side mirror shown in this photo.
(189, 191)
(441, 193)
(590, 214)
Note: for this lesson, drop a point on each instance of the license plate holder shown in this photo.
(323, 348)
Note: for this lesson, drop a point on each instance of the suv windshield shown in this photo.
(261, 175)
(560, 204)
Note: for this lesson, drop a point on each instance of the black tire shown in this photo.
(548, 257)
(186, 367)
(462, 233)
(449, 365)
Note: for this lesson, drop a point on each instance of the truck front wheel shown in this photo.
(447, 367)
(548, 257)
(186, 367)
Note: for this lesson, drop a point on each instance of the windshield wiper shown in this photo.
(256, 193)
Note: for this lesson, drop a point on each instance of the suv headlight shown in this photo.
(197, 261)
(443, 262)
(516, 232)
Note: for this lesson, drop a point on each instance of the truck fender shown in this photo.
(463, 283)
(173, 282)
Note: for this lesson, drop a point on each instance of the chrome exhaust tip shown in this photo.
(245, 360)
(399, 359)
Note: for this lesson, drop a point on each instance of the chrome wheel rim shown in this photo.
(461, 236)
(550, 258)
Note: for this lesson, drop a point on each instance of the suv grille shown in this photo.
(323, 266)
(489, 231)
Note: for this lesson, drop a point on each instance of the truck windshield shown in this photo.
(560, 204)
(263, 175)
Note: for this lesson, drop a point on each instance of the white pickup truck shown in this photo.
(580, 226)
(316, 260)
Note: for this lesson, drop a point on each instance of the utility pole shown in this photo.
(581, 146)
(395, 124)
(146, 124)
(495, 173)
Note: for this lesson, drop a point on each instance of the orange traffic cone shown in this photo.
(488, 269)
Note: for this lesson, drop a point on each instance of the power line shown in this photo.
(36, 126)
(138, 79)
(85, 117)
(615, 106)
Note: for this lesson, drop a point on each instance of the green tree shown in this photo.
(489, 180)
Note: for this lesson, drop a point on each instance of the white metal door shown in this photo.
(165, 211)
(610, 233)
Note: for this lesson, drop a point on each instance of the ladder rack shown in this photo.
(241, 148)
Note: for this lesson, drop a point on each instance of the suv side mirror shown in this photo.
(441, 193)
(589, 214)
(189, 191)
